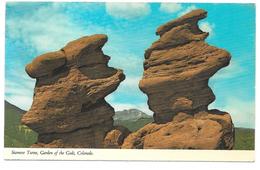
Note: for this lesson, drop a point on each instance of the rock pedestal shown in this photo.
(204, 130)
(69, 109)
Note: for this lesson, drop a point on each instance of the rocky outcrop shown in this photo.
(203, 130)
(177, 68)
(115, 138)
(68, 108)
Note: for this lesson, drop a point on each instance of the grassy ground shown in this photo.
(244, 139)
(17, 135)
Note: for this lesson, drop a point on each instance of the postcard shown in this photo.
(151, 81)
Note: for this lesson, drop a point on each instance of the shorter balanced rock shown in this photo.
(69, 109)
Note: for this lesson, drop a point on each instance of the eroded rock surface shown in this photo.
(115, 138)
(204, 130)
(177, 68)
(68, 108)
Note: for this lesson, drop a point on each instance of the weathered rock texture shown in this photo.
(115, 138)
(203, 130)
(68, 108)
(177, 68)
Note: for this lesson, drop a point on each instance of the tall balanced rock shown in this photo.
(177, 68)
(69, 109)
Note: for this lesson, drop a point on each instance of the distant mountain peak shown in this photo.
(130, 114)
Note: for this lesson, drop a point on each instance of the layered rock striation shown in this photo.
(69, 109)
(178, 66)
(177, 69)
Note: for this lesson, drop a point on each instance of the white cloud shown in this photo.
(129, 87)
(234, 69)
(22, 101)
(170, 7)
(128, 10)
(188, 9)
(204, 26)
(49, 28)
(241, 111)
(19, 89)
(129, 63)
(45, 29)
(131, 82)
(207, 27)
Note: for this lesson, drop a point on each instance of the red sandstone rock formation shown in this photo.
(177, 68)
(203, 130)
(115, 138)
(68, 108)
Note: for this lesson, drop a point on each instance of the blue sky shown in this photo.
(36, 28)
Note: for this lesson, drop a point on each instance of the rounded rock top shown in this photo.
(84, 44)
(44, 64)
(190, 17)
